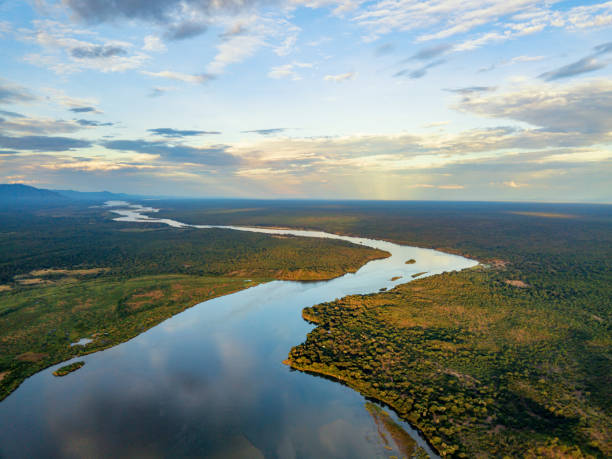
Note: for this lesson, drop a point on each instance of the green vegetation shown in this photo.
(509, 359)
(73, 273)
(63, 371)
(82, 238)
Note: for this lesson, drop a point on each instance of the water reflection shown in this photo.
(210, 381)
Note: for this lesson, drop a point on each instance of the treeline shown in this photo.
(85, 238)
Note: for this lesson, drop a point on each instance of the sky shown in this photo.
(391, 99)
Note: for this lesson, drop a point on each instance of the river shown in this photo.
(209, 382)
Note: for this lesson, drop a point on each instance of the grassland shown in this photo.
(68, 274)
(512, 359)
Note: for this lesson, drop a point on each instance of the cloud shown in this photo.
(451, 187)
(11, 114)
(288, 70)
(384, 49)
(431, 52)
(340, 78)
(514, 60)
(513, 184)
(569, 109)
(237, 28)
(91, 123)
(13, 94)
(169, 132)
(584, 65)
(74, 104)
(604, 48)
(215, 155)
(420, 72)
(187, 78)
(153, 43)
(42, 143)
(472, 89)
(180, 19)
(235, 49)
(159, 91)
(185, 29)
(493, 20)
(287, 45)
(65, 49)
(97, 51)
(84, 110)
(31, 125)
(269, 131)
(246, 34)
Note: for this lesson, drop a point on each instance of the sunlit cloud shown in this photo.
(341, 77)
(177, 76)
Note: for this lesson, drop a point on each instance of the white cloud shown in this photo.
(28, 125)
(246, 35)
(513, 184)
(57, 96)
(570, 109)
(340, 78)
(65, 51)
(288, 70)
(185, 77)
(153, 43)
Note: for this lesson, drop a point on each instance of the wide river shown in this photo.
(209, 382)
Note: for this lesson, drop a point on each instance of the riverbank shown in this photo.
(474, 377)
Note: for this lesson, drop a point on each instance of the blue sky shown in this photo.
(394, 99)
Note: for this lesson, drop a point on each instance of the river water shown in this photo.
(209, 382)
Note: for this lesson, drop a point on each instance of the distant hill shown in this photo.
(15, 195)
(19, 192)
(94, 195)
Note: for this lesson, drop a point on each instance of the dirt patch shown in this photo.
(81, 305)
(34, 281)
(517, 283)
(32, 356)
(3, 374)
(466, 379)
(73, 272)
(5, 288)
(142, 299)
(498, 264)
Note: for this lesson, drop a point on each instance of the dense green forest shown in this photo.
(512, 358)
(71, 272)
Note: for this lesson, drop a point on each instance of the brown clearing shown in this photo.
(498, 264)
(5, 288)
(34, 281)
(75, 272)
(517, 283)
(145, 298)
(31, 356)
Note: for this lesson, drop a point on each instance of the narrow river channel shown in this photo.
(209, 382)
